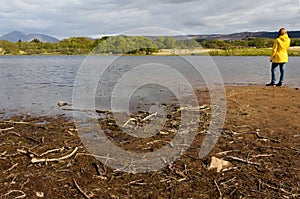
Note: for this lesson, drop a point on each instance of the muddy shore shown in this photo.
(43, 157)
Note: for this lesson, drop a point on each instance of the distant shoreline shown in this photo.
(293, 51)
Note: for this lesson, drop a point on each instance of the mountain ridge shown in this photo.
(16, 36)
(243, 35)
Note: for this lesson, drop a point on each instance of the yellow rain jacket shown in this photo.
(280, 47)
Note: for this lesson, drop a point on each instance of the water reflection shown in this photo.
(34, 84)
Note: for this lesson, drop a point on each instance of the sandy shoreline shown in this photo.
(260, 139)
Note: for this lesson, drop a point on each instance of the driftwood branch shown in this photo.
(7, 129)
(35, 160)
(52, 150)
(149, 116)
(143, 120)
(16, 191)
(14, 122)
(126, 123)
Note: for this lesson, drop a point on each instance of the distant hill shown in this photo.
(232, 36)
(242, 35)
(16, 36)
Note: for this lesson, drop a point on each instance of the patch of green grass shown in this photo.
(242, 52)
(250, 52)
(294, 52)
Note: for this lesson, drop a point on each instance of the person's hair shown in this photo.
(282, 31)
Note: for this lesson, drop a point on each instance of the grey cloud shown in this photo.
(91, 17)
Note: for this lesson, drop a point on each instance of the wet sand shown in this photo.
(43, 157)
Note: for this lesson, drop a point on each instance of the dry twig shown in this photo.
(226, 152)
(11, 168)
(137, 182)
(244, 161)
(276, 189)
(262, 155)
(218, 188)
(14, 133)
(265, 138)
(7, 129)
(80, 190)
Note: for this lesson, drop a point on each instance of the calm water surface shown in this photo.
(34, 84)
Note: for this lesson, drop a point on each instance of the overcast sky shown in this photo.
(65, 18)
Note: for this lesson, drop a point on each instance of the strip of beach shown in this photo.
(256, 156)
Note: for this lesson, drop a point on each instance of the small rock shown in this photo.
(218, 164)
(163, 133)
(39, 194)
(62, 103)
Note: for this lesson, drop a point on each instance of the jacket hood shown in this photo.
(284, 37)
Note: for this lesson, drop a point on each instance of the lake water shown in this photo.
(34, 84)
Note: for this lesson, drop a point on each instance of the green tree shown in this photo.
(35, 40)
(191, 43)
(169, 42)
(159, 41)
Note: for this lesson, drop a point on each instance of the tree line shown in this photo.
(247, 42)
(136, 45)
(105, 45)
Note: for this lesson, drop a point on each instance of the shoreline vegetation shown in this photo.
(142, 45)
(44, 157)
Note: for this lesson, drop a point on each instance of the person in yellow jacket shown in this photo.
(279, 56)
